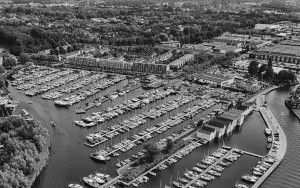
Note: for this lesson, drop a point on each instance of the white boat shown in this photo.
(268, 131)
(75, 186)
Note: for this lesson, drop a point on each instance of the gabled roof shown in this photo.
(217, 123)
(209, 129)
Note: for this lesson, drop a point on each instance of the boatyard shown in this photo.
(118, 119)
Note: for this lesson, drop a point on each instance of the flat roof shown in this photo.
(204, 131)
(227, 117)
(212, 77)
(282, 49)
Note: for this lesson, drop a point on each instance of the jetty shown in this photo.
(272, 124)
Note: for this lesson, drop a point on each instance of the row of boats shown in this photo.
(56, 83)
(88, 92)
(137, 120)
(133, 84)
(26, 75)
(160, 144)
(166, 163)
(53, 75)
(206, 171)
(143, 136)
(97, 179)
(128, 144)
(90, 79)
(123, 108)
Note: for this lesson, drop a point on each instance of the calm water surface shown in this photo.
(287, 175)
(69, 160)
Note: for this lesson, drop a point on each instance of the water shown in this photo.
(288, 173)
(69, 160)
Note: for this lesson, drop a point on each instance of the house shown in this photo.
(247, 108)
(206, 133)
(240, 115)
(150, 68)
(214, 80)
(232, 120)
(219, 125)
(178, 63)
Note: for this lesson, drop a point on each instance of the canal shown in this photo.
(288, 172)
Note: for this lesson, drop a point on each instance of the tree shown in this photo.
(286, 77)
(169, 146)
(253, 68)
(151, 152)
(231, 54)
(269, 74)
(9, 62)
(62, 50)
(202, 57)
(24, 58)
(70, 49)
(163, 37)
(2, 69)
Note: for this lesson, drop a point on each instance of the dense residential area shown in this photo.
(185, 94)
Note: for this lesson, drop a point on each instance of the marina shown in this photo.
(127, 127)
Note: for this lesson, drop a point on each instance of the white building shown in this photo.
(206, 133)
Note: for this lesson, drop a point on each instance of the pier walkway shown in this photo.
(162, 162)
(107, 137)
(209, 168)
(252, 154)
(272, 124)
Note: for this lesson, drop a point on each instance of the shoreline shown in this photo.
(273, 124)
(44, 154)
(296, 112)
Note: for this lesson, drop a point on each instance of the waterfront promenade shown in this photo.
(279, 154)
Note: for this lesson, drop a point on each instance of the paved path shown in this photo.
(273, 124)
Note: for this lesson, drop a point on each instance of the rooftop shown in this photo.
(282, 49)
(212, 77)
(208, 129)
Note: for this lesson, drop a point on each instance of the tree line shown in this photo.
(266, 72)
(25, 145)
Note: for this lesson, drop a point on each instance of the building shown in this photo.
(177, 64)
(206, 133)
(171, 43)
(219, 125)
(212, 79)
(278, 53)
(240, 115)
(162, 57)
(88, 61)
(232, 120)
(267, 26)
(150, 68)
